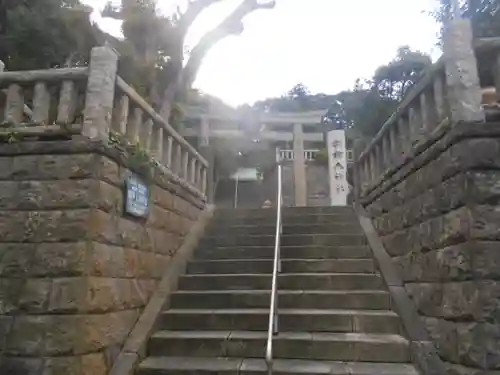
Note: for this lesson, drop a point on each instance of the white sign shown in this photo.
(337, 166)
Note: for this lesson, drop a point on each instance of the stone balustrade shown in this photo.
(450, 91)
(94, 101)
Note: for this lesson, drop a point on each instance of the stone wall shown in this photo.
(75, 273)
(439, 218)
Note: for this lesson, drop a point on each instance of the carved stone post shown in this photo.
(462, 78)
(100, 93)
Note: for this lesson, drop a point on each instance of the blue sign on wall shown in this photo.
(136, 197)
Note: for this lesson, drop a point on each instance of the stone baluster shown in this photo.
(192, 171)
(145, 134)
(134, 125)
(405, 136)
(14, 105)
(462, 77)
(415, 122)
(169, 151)
(198, 175)
(394, 136)
(185, 165)
(429, 115)
(204, 181)
(41, 103)
(157, 142)
(373, 165)
(439, 98)
(99, 98)
(178, 160)
(120, 118)
(67, 103)
(386, 151)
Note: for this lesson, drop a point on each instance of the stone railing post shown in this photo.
(2, 66)
(100, 93)
(462, 78)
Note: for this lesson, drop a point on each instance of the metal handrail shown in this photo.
(236, 185)
(273, 317)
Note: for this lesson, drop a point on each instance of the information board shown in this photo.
(136, 197)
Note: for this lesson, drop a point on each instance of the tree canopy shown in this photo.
(484, 15)
(368, 105)
(40, 34)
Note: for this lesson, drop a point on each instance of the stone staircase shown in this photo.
(335, 314)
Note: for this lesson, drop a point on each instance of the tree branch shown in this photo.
(232, 25)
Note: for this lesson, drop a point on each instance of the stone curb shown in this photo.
(134, 348)
(423, 351)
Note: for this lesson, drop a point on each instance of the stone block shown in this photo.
(68, 295)
(107, 294)
(20, 366)
(43, 226)
(110, 171)
(5, 326)
(64, 194)
(160, 218)
(110, 198)
(63, 366)
(65, 335)
(103, 330)
(27, 336)
(451, 263)
(110, 261)
(9, 193)
(59, 259)
(162, 197)
(466, 300)
(427, 298)
(425, 356)
(485, 223)
(9, 295)
(16, 259)
(444, 334)
(163, 243)
(479, 345)
(35, 295)
(115, 230)
(53, 167)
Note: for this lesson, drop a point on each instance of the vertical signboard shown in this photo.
(337, 166)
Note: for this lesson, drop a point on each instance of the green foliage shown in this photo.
(38, 34)
(484, 15)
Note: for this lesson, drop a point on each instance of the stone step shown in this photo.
(265, 266)
(235, 366)
(309, 320)
(286, 211)
(287, 219)
(286, 240)
(291, 281)
(308, 299)
(287, 252)
(270, 229)
(298, 345)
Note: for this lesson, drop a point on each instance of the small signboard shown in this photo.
(136, 197)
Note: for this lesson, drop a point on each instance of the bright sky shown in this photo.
(325, 44)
